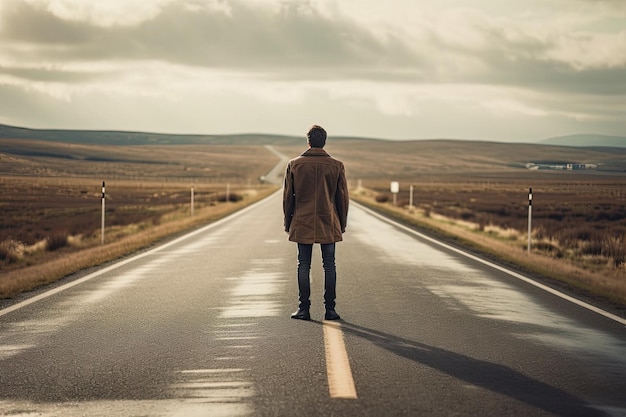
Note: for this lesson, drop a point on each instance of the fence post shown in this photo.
(103, 211)
(530, 214)
(192, 202)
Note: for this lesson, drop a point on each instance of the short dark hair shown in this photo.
(316, 137)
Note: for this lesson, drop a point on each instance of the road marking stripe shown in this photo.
(340, 381)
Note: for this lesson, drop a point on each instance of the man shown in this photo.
(315, 205)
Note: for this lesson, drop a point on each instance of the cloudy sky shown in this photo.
(505, 70)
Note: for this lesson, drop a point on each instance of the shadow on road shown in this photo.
(491, 376)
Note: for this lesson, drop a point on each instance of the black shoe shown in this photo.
(331, 315)
(301, 314)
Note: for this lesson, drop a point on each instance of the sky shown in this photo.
(495, 70)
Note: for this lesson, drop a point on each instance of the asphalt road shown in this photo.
(201, 327)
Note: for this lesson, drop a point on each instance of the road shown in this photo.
(200, 327)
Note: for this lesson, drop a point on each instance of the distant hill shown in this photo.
(587, 140)
(103, 137)
(38, 152)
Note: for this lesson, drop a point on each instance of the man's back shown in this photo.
(316, 198)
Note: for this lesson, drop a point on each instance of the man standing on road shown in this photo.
(315, 205)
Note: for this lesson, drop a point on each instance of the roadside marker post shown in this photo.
(103, 199)
(530, 214)
(395, 189)
(192, 197)
(411, 197)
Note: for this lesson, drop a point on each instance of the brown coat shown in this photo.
(315, 198)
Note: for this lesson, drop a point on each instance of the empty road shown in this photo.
(200, 327)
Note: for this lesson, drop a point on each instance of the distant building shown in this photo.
(565, 166)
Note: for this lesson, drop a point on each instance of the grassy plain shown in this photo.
(475, 193)
(50, 208)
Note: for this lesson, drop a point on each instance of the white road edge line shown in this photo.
(64, 287)
(498, 267)
(338, 371)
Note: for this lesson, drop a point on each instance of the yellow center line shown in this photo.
(340, 381)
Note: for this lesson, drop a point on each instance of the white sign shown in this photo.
(395, 187)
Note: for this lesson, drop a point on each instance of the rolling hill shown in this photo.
(112, 137)
(139, 154)
(587, 140)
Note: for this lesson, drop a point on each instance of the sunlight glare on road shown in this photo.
(253, 294)
(397, 246)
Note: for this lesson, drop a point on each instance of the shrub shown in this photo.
(614, 248)
(467, 215)
(549, 247)
(591, 247)
(76, 240)
(39, 246)
(56, 241)
(232, 197)
(545, 246)
(11, 251)
(556, 216)
(572, 236)
(382, 198)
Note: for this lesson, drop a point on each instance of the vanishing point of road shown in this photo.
(200, 327)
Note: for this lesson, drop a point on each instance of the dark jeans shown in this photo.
(304, 271)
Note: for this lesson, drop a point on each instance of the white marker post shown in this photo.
(530, 215)
(192, 201)
(411, 197)
(395, 189)
(103, 198)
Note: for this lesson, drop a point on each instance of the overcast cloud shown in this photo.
(501, 70)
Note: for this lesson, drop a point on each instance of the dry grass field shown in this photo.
(474, 192)
(50, 209)
(161, 163)
(477, 192)
(55, 213)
